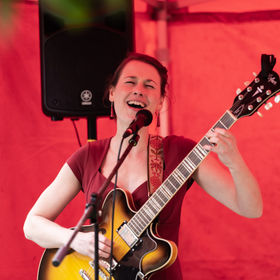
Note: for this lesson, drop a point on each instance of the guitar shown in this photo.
(138, 251)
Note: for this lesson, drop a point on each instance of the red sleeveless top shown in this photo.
(86, 162)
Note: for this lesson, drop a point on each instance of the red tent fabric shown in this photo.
(213, 48)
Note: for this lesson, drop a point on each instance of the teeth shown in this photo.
(136, 103)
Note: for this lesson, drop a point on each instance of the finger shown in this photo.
(207, 147)
(215, 141)
(103, 251)
(104, 254)
(104, 239)
(223, 132)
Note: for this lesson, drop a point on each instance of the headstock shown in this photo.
(265, 85)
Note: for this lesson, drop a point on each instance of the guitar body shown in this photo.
(149, 255)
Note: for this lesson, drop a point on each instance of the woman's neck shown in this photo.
(140, 147)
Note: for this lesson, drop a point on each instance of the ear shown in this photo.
(159, 107)
(111, 94)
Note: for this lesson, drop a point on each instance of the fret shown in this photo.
(143, 216)
(228, 119)
(185, 164)
(173, 181)
(137, 225)
(183, 170)
(178, 177)
(166, 190)
(205, 141)
(198, 154)
(170, 187)
(155, 204)
(190, 163)
(141, 222)
(160, 199)
(131, 226)
(194, 159)
(150, 209)
(202, 150)
(162, 194)
(134, 225)
(219, 124)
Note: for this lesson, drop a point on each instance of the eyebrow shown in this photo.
(134, 77)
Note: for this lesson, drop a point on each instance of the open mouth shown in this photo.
(136, 104)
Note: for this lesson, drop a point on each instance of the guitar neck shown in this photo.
(153, 206)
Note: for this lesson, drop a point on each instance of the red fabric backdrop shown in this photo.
(211, 54)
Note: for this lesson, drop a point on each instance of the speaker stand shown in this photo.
(92, 131)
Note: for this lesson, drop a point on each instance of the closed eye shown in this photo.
(130, 82)
(150, 86)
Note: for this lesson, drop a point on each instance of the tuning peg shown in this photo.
(238, 91)
(277, 99)
(255, 74)
(259, 114)
(268, 105)
(247, 83)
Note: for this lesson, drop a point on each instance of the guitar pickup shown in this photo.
(127, 235)
(105, 264)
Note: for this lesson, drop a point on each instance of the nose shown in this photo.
(138, 93)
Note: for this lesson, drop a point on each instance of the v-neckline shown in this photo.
(106, 149)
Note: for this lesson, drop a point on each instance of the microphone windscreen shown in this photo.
(146, 115)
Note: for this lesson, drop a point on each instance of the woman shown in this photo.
(139, 83)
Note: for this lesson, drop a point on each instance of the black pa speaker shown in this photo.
(78, 54)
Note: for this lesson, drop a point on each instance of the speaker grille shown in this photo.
(77, 62)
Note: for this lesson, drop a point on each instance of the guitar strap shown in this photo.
(155, 163)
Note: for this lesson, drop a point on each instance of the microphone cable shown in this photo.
(113, 210)
(76, 131)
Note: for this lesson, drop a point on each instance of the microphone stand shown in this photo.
(91, 213)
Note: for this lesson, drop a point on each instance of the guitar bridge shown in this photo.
(127, 235)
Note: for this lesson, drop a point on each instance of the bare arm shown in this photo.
(40, 226)
(235, 187)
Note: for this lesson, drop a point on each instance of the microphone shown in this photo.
(143, 118)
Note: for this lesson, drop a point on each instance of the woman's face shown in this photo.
(138, 88)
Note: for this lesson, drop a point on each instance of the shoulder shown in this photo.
(88, 155)
(92, 147)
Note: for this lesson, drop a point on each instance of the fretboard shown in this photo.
(153, 206)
